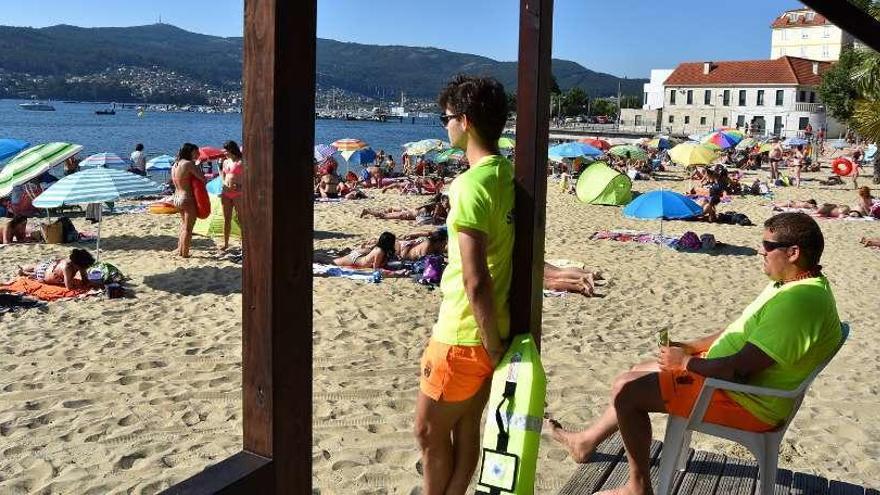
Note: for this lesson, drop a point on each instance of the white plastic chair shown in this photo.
(764, 446)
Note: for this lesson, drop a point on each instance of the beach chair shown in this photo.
(764, 446)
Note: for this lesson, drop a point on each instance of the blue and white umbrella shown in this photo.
(96, 185)
(161, 162)
(106, 160)
(795, 141)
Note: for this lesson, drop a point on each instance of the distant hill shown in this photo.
(369, 70)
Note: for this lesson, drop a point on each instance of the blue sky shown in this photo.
(621, 37)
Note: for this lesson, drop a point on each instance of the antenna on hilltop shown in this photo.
(160, 18)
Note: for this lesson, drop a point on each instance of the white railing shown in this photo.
(807, 107)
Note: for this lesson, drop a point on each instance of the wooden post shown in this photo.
(279, 114)
(532, 134)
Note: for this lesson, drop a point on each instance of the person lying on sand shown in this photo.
(779, 340)
(831, 210)
(375, 258)
(13, 230)
(433, 213)
(572, 279)
(415, 185)
(61, 272)
(809, 204)
(415, 246)
(870, 241)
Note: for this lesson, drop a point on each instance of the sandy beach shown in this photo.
(133, 395)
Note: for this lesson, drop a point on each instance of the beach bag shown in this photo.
(433, 271)
(53, 232)
(690, 242)
(105, 273)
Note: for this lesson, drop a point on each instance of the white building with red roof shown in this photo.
(807, 34)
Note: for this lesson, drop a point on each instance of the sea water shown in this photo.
(164, 132)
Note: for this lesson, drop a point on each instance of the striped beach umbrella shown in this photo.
(323, 152)
(347, 146)
(452, 154)
(32, 162)
(506, 143)
(629, 151)
(11, 147)
(96, 185)
(424, 146)
(107, 160)
(161, 162)
(747, 144)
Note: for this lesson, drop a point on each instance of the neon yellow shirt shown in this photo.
(797, 326)
(481, 199)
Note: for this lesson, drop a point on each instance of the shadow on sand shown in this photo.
(150, 243)
(321, 235)
(194, 281)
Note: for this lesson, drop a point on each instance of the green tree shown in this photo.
(838, 90)
(574, 102)
(631, 101)
(603, 107)
(866, 76)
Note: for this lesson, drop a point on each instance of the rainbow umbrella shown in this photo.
(692, 154)
(628, 151)
(722, 139)
(506, 143)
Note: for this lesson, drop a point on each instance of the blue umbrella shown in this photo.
(11, 147)
(215, 186)
(96, 185)
(362, 157)
(161, 162)
(662, 204)
(573, 150)
(795, 141)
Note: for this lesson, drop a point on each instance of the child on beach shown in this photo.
(61, 272)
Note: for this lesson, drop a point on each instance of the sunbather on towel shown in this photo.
(790, 329)
(831, 210)
(13, 230)
(374, 258)
(574, 280)
(61, 272)
(809, 204)
(415, 246)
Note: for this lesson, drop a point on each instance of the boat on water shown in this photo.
(36, 106)
(109, 111)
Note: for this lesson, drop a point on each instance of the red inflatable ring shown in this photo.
(842, 166)
(203, 202)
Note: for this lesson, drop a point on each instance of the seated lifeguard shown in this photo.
(779, 339)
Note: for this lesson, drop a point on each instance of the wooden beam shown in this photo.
(242, 473)
(532, 131)
(279, 113)
(850, 18)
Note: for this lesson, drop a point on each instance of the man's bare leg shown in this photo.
(466, 443)
(435, 421)
(582, 444)
(638, 395)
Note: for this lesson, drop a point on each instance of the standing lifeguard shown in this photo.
(469, 338)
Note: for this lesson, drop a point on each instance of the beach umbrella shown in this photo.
(506, 143)
(659, 144)
(11, 147)
(452, 154)
(208, 153)
(721, 139)
(423, 147)
(795, 141)
(347, 146)
(662, 205)
(691, 154)
(96, 185)
(596, 143)
(765, 147)
(628, 150)
(32, 162)
(362, 156)
(870, 151)
(747, 144)
(161, 162)
(697, 136)
(572, 150)
(108, 160)
(323, 152)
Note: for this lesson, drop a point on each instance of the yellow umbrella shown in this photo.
(692, 154)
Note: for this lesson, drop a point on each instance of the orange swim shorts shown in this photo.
(453, 373)
(680, 389)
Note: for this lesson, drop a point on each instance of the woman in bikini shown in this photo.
(61, 272)
(181, 173)
(233, 184)
(375, 258)
(434, 212)
(574, 280)
(13, 230)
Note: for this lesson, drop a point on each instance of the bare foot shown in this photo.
(579, 450)
(629, 488)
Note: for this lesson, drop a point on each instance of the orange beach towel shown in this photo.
(44, 292)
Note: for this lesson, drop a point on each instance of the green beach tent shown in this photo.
(600, 184)
(213, 225)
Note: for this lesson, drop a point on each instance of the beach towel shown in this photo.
(46, 292)
(338, 271)
(328, 200)
(635, 236)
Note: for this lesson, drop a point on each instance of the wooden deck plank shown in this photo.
(808, 484)
(590, 476)
(843, 488)
(703, 471)
(620, 473)
(738, 477)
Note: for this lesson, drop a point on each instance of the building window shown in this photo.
(742, 97)
(707, 97)
(638, 120)
(826, 32)
(779, 97)
(672, 119)
(805, 34)
(826, 51)
(724, 121)
(777, 125)
(760, 98)
(702, 120)
(690, 97)
(740, 120)
(803, 51)
(672, 97)
(645, 98)
(802, 123)
(802, 96)
(726, 97)
(687, 119)
(811, 16)
(812, 97)
(785, 35)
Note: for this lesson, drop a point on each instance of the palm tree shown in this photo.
(866, 114)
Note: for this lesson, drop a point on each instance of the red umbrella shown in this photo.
(596, 143)
(208, 153)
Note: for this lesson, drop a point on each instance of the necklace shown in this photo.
(815, 272)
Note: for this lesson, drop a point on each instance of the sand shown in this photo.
(132, 395)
